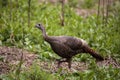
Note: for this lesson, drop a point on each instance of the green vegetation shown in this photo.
(35, 73)
(14, 31)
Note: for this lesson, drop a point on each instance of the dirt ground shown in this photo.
(10, 57)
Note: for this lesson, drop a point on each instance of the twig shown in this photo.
(98, 12)
(18, 70)
(107, 11)
(62, 13)
(103, 12)
(10, 10)
(29, 1)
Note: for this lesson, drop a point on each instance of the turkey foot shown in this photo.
(64, 60)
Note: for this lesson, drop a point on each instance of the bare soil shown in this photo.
(10, 57)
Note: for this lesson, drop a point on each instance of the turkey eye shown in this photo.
(39, 24)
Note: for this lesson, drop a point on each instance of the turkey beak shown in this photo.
(36, 26)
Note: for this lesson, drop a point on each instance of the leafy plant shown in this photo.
(15, 32)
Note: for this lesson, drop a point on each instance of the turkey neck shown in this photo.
(45, 36)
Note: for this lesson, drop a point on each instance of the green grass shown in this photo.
(35, 73)
(104, 39)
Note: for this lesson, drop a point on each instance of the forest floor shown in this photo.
(10, 58)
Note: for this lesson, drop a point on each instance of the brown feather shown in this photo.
(87, 49)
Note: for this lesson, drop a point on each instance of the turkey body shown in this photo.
(68, 46)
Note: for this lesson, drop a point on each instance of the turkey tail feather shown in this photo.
(93, 53)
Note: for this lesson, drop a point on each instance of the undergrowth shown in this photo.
(14, 31)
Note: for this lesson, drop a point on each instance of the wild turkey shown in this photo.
(67, 46)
